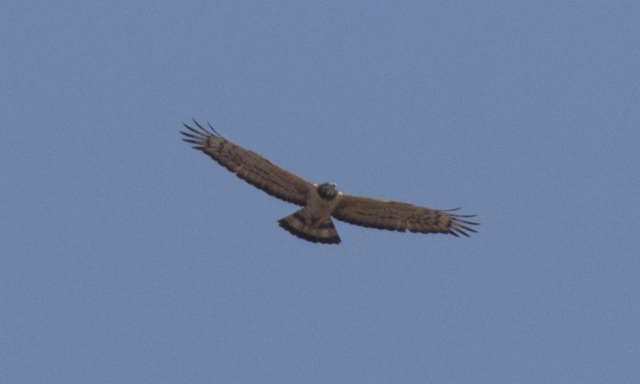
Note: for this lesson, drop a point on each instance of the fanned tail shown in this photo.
(317, 231)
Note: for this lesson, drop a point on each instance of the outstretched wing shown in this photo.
(248, 165)
(397, 216)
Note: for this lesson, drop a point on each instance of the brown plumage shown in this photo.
(321, 201)
(397, 216)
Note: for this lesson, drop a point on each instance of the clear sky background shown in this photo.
(126, 256)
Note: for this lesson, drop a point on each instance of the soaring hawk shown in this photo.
(321, 201)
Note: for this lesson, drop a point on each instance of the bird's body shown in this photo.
(313, 222)
(321, 202)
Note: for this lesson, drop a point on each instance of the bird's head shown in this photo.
(327, 190)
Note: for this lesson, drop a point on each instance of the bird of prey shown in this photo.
(320, 202)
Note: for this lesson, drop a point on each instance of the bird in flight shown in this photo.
(321, 202)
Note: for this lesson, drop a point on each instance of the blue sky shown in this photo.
(126, 256)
